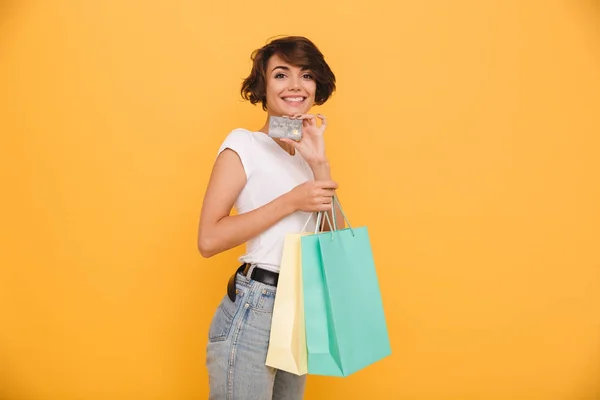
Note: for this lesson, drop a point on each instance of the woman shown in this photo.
(275, 185)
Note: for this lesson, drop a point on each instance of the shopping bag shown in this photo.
(287, 342)
(346, 328)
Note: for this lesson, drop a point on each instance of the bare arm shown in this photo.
(323, 172)
(218, 231)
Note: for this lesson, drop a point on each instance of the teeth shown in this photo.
(293, 98)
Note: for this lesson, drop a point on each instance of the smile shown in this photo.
(298, 99)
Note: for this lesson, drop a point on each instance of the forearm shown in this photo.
(232, 231)
(323, 172)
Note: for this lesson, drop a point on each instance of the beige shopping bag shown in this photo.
(287, 344)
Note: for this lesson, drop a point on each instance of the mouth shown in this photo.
(294, 99)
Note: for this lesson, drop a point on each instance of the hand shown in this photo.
(312, 144)
(312, 196)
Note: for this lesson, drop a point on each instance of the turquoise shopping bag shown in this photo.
(345, 323)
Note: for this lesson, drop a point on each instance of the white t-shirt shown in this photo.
(271, 172)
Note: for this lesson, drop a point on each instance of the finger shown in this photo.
(326, 201)
(327, 192)
(323, 119)
(327, 184)
(324, 207)
(308, 117)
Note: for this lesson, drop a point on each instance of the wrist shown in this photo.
(319, 163)
(321, 171)
(288, 203)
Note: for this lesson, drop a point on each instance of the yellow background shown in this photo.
(464, 134)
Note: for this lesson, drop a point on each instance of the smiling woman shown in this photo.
(276, 59)
(275, 185)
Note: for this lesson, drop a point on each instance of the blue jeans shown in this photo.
(236, 352)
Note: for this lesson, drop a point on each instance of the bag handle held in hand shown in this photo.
(306, 223)
(333, 203)
(321, 221)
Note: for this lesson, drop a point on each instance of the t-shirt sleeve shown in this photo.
(240, 141)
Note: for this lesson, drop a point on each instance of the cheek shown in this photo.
(273, 89)
(311, 88)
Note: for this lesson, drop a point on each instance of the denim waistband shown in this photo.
(255, 294)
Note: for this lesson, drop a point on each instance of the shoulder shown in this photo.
(240, 135)
(241, 141)
(238, 139)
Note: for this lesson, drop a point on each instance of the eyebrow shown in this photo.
(286, 68)
(281, 67)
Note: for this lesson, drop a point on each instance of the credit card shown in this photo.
(280, 127)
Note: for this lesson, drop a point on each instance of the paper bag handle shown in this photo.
(333, 203)
(321, 221)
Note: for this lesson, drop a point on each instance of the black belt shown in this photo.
(258, 274)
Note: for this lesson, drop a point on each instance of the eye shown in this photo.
(307, 76)
(279, 76)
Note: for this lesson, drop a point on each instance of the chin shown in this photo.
(285, 109)
(297, 109)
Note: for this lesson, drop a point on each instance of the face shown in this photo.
(290, 89)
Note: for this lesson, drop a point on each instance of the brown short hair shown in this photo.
(296, 50)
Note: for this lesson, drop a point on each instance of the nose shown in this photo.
(294, 84)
